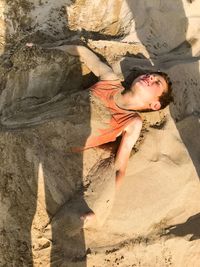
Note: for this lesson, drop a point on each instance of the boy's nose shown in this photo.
(150, 78)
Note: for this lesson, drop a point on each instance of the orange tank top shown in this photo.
(119, 118)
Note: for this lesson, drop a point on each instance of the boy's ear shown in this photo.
(155, 105)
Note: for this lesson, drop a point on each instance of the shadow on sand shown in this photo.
(167, 51)
(33, 125)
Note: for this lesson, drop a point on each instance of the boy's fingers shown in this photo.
(30, 44)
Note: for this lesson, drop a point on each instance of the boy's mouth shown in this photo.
(145, 80)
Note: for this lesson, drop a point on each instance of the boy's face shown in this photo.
(149, 87)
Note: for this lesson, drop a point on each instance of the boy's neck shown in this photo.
(128, 102)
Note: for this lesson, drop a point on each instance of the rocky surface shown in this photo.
(154, 219)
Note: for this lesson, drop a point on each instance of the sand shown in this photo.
(153, 219)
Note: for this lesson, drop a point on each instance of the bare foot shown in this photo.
(30, 45)
(88, 218)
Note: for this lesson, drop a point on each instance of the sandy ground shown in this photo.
(154, 219)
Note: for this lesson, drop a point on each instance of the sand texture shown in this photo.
(153, 220)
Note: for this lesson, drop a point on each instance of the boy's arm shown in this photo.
(129, 138)
(100, 69)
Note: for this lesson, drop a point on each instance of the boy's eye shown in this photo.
(158, 82)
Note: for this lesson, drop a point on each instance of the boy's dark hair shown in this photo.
(165, 98)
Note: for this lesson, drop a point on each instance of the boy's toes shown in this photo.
(87, 216)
